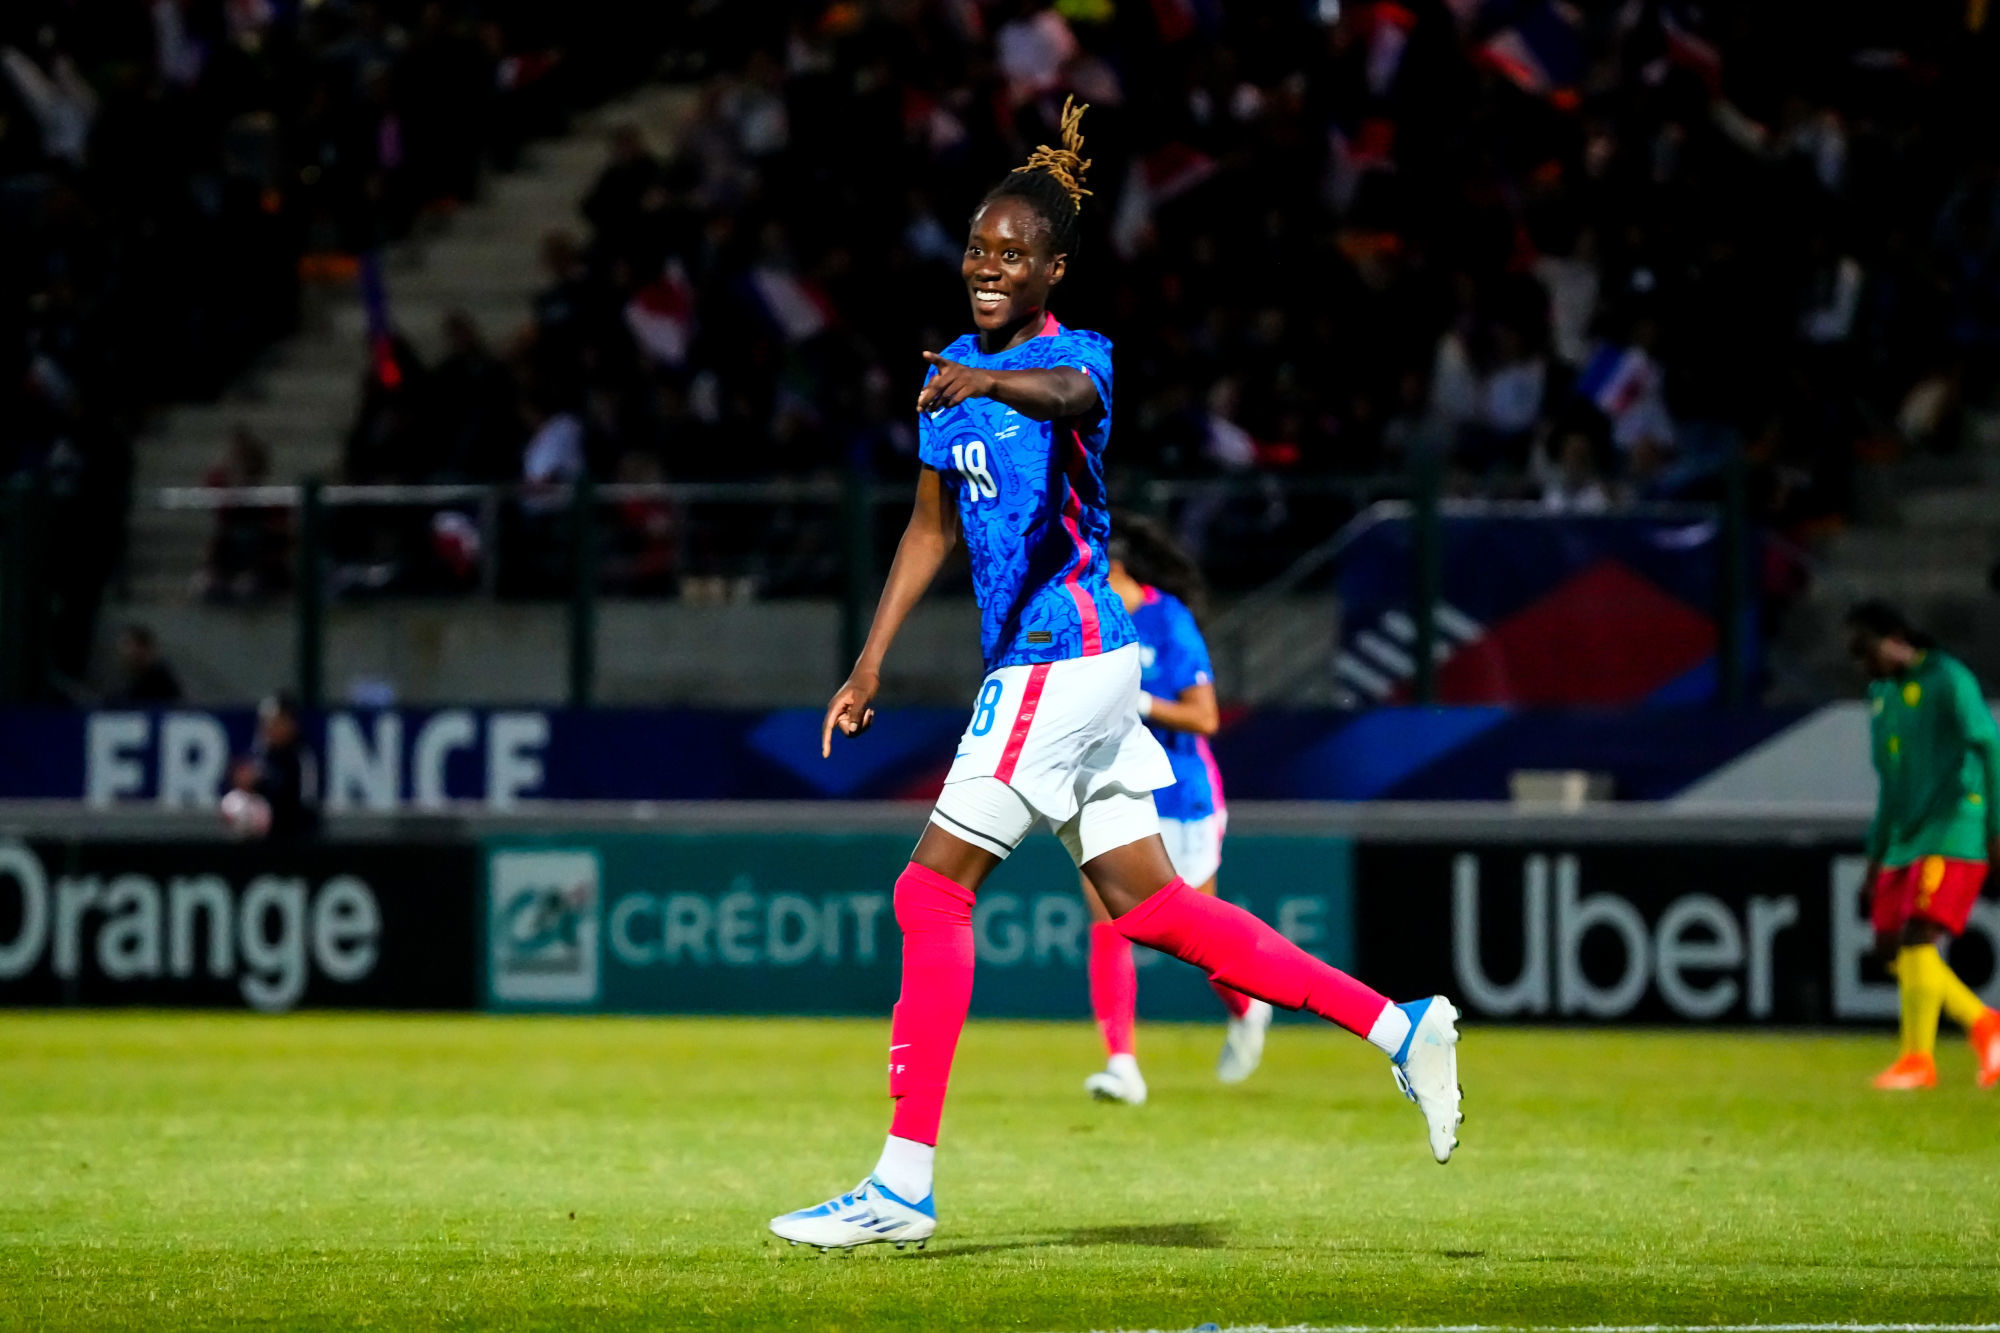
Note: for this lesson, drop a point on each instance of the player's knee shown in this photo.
(926, 898)
(1130, 874)
(1119, 898)
(1917, 933)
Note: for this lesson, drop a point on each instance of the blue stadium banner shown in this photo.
(803, 923)
(1541, 611)
(424, 758)
(386, 759)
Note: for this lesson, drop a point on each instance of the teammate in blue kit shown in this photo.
(1013, 423)
(1160, 586)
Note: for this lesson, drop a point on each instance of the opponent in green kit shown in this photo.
(1937, 754)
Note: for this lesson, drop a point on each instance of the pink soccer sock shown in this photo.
(1235, 1001)
(936, 917)
(1241, 952)
(1114, 986)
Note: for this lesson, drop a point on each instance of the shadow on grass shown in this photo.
(1156, 1235)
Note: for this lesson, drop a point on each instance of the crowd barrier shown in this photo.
(1535, 921)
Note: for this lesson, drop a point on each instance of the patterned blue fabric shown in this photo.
(1032, 506)
(1174, 657)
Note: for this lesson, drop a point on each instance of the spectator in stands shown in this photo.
(473, 407)
(1487, 387)
(554, 453)
(539, 536)
(641, 552)
(249, 555)
(625, 204)
(147, 679)
(1571, 471)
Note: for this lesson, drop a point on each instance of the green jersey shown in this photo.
(1937, 754)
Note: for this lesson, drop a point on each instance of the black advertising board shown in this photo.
(1635, 932)
(369, 925)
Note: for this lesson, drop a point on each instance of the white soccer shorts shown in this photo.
(1060, 742)
(1195, 846)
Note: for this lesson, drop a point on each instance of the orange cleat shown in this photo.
(1915, 1070)
(1986, 1045)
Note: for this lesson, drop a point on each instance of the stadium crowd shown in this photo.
(1582, 252)
(169, 169)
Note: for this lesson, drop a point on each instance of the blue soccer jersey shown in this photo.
(1175, 657)
(1032, 506)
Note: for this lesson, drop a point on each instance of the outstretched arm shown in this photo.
(1193, 710)
(927, 540)
(1040, 395)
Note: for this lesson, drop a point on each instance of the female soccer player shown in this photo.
(1159, 586)
(1012, 425)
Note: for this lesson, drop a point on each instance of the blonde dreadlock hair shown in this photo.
(1052, 181)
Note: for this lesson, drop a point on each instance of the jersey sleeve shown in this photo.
(1182, 661)
(931, 448)
(1090, 353)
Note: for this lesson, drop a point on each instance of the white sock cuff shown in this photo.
(1123, 1064)
(905, 1168)
(1392, 1026)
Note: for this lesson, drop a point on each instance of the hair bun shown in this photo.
(1067, 163)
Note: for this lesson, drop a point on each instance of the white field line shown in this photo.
(1595, 1328)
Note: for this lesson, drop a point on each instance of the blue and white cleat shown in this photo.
(868, 1214)
(1243, 1044)
(1120, 1081)
(1427, 1070)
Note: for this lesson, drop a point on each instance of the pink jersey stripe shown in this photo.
(1031, 699)
(1214, 773)
(1072, 514)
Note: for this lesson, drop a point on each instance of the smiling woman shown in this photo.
(1017, 253)
(1012, 429)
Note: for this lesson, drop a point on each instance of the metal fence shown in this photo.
(1262, 540)
(582, 541)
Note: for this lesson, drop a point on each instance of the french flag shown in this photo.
(1541, 52)
(661, 316)
(794, 305)
(1616, 379)
(1165, 173)
(1690, 50)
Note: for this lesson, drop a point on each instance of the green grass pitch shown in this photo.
(177, 1171)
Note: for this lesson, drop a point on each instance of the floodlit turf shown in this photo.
(173, 1171)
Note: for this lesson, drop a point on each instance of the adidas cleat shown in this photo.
(1427, 1070)
(1243, 1047)
(869, 1214)
(1119, 1083)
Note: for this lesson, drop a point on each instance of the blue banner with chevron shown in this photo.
(1539, 611)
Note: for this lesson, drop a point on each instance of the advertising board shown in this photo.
(800, 923)
(231, 924)
(1636, 932)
